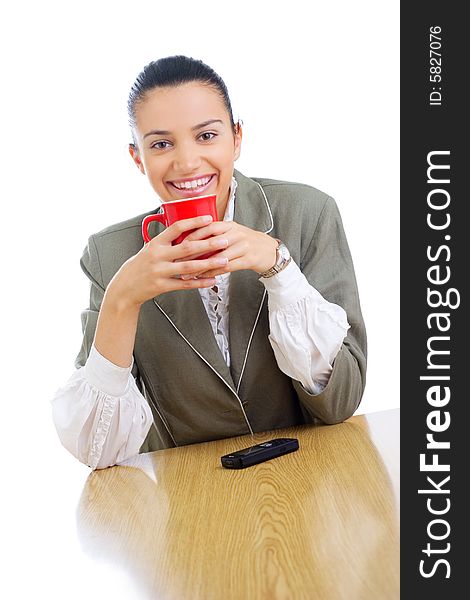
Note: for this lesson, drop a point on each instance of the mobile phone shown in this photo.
(259, 453)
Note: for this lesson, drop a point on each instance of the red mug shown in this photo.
(177, 210)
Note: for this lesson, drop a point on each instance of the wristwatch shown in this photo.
(283, 258)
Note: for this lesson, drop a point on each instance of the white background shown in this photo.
(318, 93)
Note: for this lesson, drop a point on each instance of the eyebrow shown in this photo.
(165, 132)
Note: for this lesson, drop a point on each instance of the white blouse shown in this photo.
(103, 419)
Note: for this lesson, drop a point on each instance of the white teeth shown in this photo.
(186, 185)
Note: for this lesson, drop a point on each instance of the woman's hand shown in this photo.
(153, 270)
(245, 249)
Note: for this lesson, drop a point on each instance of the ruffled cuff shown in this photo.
(290, 286)
(105, 376)
(106, 414)
(287, 287)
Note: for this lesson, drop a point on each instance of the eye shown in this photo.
(206, 136)
(160, 145)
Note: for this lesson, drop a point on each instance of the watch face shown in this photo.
(283, 252)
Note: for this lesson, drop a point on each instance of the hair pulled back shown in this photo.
(171, 72)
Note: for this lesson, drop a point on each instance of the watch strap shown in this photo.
(283, 258)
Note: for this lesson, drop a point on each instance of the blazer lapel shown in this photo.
(247, 293)
(185, 310)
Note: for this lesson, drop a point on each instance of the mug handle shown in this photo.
(160, 217)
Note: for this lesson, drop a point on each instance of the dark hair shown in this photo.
(171, 72)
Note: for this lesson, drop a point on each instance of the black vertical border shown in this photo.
(423, 129)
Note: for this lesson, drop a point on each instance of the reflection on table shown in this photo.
(321, 522)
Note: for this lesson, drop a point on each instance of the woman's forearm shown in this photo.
(116, 330)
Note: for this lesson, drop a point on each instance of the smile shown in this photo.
(192, 184)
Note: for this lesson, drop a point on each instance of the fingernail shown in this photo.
(222, 242)
(207, 218)
(221, 261)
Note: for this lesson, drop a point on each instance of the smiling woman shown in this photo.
(265, 333)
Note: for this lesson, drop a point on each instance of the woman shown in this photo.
(264, 334)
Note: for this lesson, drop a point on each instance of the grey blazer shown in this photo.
(193, 394)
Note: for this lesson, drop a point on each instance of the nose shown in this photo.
(187, 159)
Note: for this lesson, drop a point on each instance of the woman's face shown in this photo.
(185, 143)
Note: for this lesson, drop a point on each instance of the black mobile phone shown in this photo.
(259, 453)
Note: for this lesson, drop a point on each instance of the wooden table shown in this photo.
(321, 522)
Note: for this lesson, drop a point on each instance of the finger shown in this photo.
(211, 273)
(238, 250)
(220, 271)
(231, 248)
(191, 267)
(195, 256)
(237, 260)
(236, 264)
(189, 250)
(215, 228)
(176, 229)
(188, 284)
